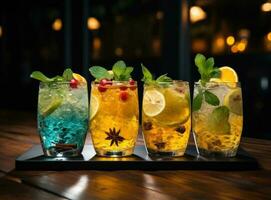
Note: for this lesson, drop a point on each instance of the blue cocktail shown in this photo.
(63, 117)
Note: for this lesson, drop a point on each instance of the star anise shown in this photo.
(114, 136)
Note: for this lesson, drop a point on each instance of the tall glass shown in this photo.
(217, 128)
(62, 118)
(114, 118)
(166, 120)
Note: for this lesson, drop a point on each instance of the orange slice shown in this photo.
(227, 74)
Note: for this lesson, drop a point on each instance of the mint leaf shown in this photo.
(197, 101)
(218, 120)
(126, 74)
(210, 98)
(206, 68)
(164, 78)
(118, 69)
(58, 78)
(147, 76)
(215, 73)
(221, 113)
(40, 76)
(100, 73)
(200, 62)
(209, 64)
(67, 74)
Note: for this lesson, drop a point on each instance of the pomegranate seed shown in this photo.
(73, 83)
(109, 82)
(101, 88)
(124, 95)
(123, 87)
(132, 82)
(103, 82)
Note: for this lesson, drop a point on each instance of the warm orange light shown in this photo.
(269, 36)
(230, 40)
(220, 42)
(234, 49)
(57, 25)
(159, 15)
(119, 51)
(199, 45)
(197, 14)
(156, 46)
(1, 31)
(97, 43)
(241, 46)
(93, 23)
(266, 7)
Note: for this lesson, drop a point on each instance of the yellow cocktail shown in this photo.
(114, 117)
(166, 119)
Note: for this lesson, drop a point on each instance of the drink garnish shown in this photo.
(67, 76)
(149, 78)
(233, 100)
(94, 103)
(153, 102)
(114, 136)
(206, 68)
(51, 107)
(218, 120)
(207, 71)
(119, 72)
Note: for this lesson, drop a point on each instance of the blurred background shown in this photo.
(164, 35)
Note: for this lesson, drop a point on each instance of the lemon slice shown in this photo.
(51, 107)
(94, 106)
(153, 103)
(177, 109)
(233, 100)
(79, 78)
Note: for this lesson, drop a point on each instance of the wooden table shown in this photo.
(18, 133)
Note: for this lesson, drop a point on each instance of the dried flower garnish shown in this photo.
(160, 145)
(147, 126)
(180, 129)
(114, 136)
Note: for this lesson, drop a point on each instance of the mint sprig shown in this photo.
(206, 95)
(120, 72)
(149, 78)
(206, 68)
(67, 76)
(100, 73)
(207, 71)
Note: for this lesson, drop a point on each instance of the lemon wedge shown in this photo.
(79, 78)
(153, 103)
(233, 100)
(94, 106)
(177, 108)
(51, 107)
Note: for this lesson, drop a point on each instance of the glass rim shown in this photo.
(97, 82)
(222, 82)
(164, 82)
(60, 83)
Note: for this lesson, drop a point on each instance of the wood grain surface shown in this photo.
(18, 133)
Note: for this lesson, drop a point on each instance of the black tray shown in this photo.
(34, 159)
